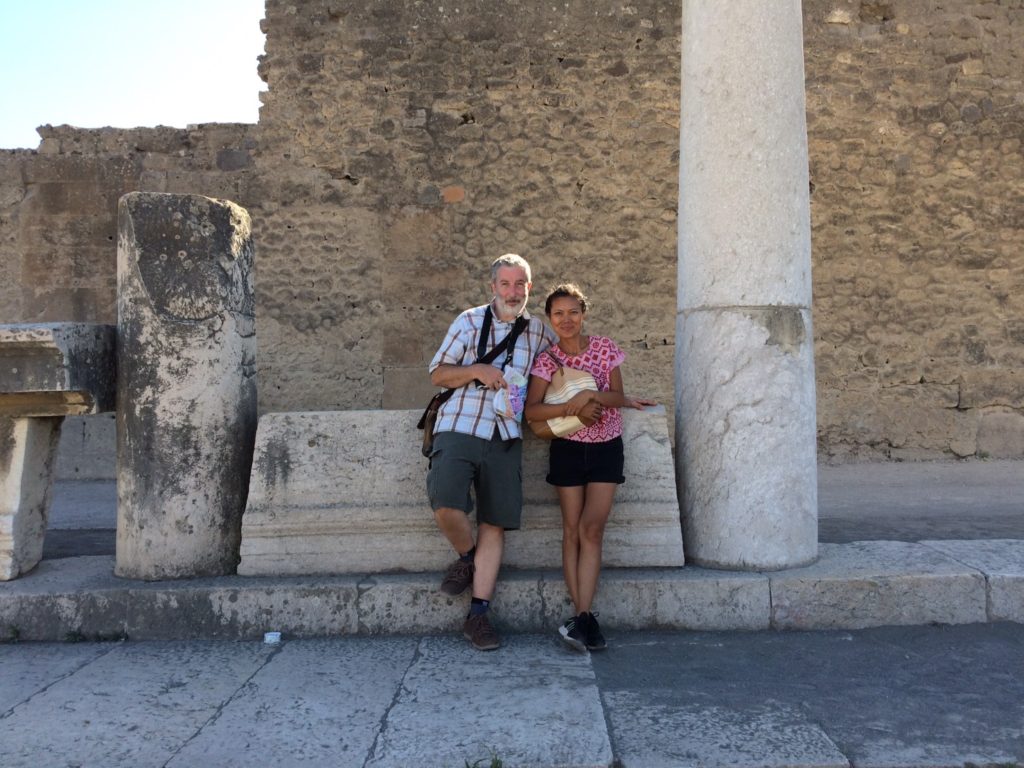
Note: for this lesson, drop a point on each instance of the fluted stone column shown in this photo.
(186, 389)
(745, 398)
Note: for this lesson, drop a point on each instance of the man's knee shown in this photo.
(489, 534)
(443, 515)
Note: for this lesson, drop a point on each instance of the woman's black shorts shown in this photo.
(573, 463)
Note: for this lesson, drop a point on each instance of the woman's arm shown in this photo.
(616, 398)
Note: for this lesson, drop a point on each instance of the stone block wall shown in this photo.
(410, 144)
(916, 123)
(58, 208)
(402, 146)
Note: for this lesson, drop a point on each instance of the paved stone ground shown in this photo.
(899, 697)
(916, 501)
(917, 696)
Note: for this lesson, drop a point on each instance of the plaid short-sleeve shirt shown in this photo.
(471, 410)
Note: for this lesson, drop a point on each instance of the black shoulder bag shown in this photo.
(429, 417)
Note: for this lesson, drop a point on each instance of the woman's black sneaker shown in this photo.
(572, 633)
(591, 632)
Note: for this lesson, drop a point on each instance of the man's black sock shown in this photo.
(478, 606)
(468, 557)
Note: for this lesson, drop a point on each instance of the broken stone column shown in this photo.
(47, 371)
(745, 398)
(186, 389)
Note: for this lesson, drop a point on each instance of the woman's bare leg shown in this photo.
(571, 500)
(597, 506)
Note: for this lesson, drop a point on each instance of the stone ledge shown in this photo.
(876, 583)
(853, 586)
(338, 492)
(1002, 562)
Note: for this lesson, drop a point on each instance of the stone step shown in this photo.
(852, 586)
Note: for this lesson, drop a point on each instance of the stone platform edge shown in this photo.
(852, 586)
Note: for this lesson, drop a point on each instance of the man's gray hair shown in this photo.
(510, 260)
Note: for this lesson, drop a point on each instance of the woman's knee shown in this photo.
(591, 532)
(570, 531)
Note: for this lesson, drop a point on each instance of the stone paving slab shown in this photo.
(25, 670)
(531, 703)
(136, 705)
(1002, 562)
(315, 703)
(889, 697)
(647, 735)
(877, 583)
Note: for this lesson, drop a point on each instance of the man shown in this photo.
(475, 447)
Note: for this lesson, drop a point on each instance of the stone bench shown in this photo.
(344, 492)
(47, 371)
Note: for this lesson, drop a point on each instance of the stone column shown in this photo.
(186, 388)
(745, 397)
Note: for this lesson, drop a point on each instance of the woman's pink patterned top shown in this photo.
(598, 359)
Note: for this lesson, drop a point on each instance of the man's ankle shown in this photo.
(478, 606)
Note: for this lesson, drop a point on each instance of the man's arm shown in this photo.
(452, 376)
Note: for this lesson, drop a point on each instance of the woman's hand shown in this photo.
(580, 399)
(591, 413)
(638, 402)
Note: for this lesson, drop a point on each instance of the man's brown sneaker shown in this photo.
(458, 577)
(480, 633)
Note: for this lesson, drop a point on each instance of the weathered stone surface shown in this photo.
(164, 694)
(88, 448)
(540, 723)
(1001, 434)
(773, 734)
(186, 392)
(690, 598)
(56, 369)
(47, 371)
(745, 457)
(1002, 562)
(853, 586)
(243, 610)
(875, 583)
(28, 451)
(316, 704)
(745, 408)
(65, 600)
(344, 492)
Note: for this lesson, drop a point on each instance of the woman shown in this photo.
(587, 466)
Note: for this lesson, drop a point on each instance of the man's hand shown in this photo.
(489, 377)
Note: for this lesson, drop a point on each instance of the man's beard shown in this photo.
(505, 308)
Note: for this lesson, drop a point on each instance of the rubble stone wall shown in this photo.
(402, 146)
(916, 122)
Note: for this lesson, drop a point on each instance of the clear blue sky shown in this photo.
(93, 63)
